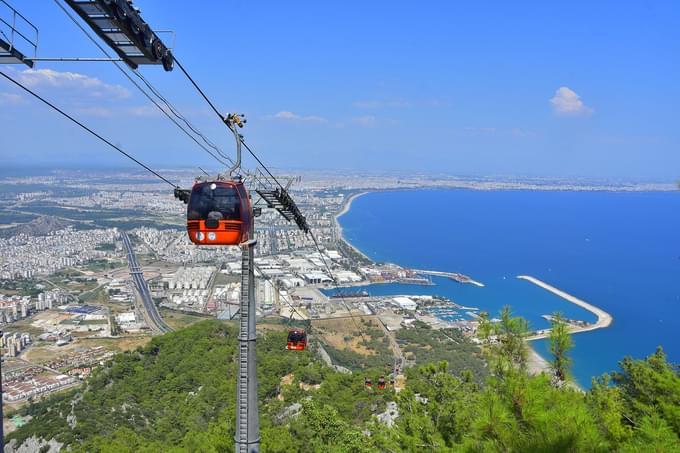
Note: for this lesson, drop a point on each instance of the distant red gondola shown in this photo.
(368, 382)
(297, 340)
(219, 213)
(381, 383)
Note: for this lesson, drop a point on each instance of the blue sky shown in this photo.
(469, 88)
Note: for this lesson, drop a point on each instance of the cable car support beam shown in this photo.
(119, 24)
(16, 29)
(77, 59)
(247, 437)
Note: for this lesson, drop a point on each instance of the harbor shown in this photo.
(456, 276)
(604, 319)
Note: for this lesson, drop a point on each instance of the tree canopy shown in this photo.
(177, 394)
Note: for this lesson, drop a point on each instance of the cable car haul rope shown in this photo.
(71, 118)
(220, 212)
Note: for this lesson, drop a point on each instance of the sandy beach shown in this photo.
(604, 319)
(345, 209)
(536, 363)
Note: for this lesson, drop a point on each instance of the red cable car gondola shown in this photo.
(368, 382)
(297, 340)
(381, 383)
(219, 213)
(219, 210)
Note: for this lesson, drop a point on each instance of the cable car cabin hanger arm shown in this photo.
(276, 199)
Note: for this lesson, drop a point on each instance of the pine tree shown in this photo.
(560, 344)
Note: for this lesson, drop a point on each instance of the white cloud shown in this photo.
(366, 120)
(144, 110)
(290, 116)
(99, 112)
(375, 104)
(373, 121)
(11, 99)
(90, 86)
(147, 110)
(566, 102)
(286, 115)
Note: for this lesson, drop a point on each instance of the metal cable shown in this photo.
(217, 112)
(179, 116)
(335, 282)
(48, 103)
(263, 275)
(262, 164)
(252, 153)
(103, 50)
(198, 88)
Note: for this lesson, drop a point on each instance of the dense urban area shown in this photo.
(67, 300)
(70, 244)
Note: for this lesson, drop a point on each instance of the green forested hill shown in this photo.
(178, 394)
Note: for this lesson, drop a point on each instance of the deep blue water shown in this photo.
(619, 251)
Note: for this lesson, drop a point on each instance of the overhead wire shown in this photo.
(193, 82)
(164, 111)
(259, 161)
(336, 284)
(117, 148)
(221, 117)
(261, 164)
(293, 310)
(179, 116)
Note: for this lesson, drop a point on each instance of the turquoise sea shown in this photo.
(617, 250)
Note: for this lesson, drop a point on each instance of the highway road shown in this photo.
(149, 310)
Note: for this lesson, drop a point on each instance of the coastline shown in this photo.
(604, 319)
(536, 362)
(347, 205)
(338, 228)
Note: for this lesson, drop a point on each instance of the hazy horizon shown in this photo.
(75, 168)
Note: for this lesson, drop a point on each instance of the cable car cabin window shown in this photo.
(221, 203)
(296, 336)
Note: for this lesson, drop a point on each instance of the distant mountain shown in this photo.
(42, 226)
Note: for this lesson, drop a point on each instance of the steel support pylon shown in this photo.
(2, 400)
(247, 435)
